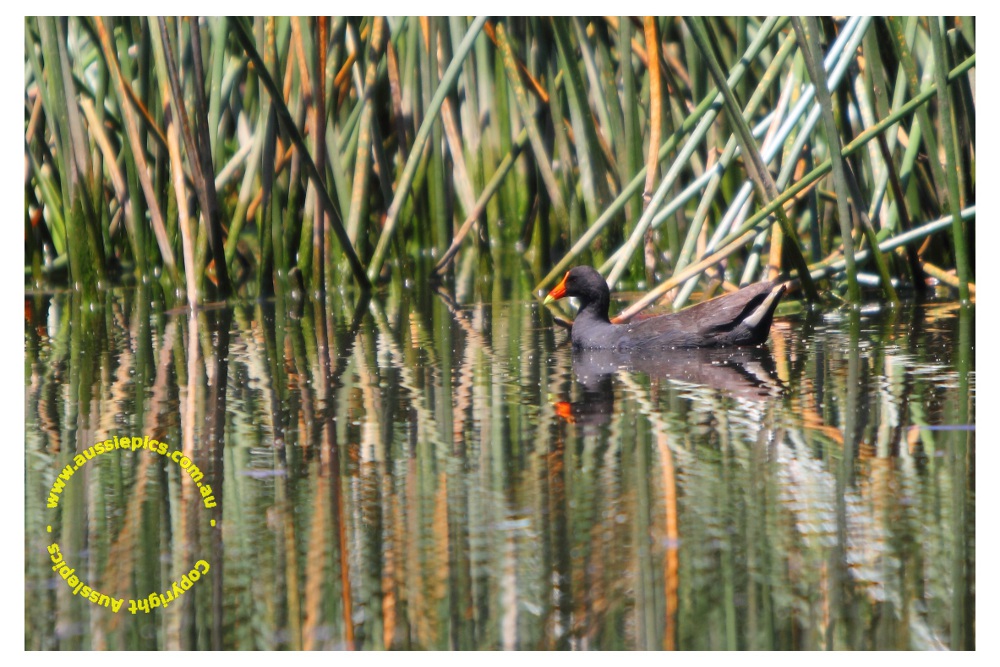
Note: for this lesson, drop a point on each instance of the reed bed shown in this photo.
(243, 157)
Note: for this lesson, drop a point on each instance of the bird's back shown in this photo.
(739, 318)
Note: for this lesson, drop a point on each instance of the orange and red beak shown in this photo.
(558, 292)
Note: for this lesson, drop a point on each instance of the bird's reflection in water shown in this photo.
(746, 373)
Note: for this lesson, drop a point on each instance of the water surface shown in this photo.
(412, 472)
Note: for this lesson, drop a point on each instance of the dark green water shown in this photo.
(413, 473)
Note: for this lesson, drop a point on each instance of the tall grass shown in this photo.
(243, 156)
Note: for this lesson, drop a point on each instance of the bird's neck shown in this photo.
(596, 310)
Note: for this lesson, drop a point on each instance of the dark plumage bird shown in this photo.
(740, 318)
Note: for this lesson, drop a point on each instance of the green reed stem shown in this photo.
(406, 179)
(285, 117)
(951, 164)
(766, 190)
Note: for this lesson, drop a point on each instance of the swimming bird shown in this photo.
(740, 318)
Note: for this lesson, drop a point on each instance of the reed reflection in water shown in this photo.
(413, 473)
